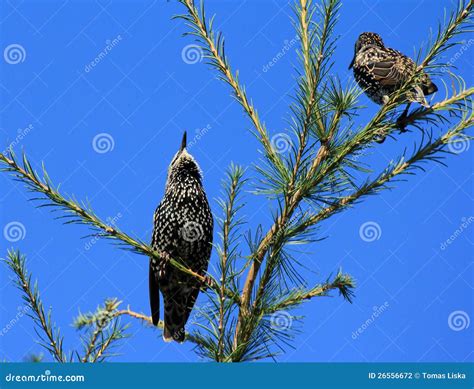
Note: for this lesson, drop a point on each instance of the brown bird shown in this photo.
(381, 71)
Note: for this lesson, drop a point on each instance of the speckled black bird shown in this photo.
(380, 70)
(183, 228)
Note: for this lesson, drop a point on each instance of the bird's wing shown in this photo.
(154, 292)
(156, 215)
(391, 68)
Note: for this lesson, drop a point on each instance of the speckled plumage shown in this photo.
(183, 228)
(380, 70)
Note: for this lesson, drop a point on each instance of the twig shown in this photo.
(147, 320)
(54, 342)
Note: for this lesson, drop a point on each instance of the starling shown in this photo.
(183, 228)
(380, 71)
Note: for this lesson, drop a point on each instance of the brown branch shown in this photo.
(148, 321)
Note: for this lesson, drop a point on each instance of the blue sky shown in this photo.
(142, 94)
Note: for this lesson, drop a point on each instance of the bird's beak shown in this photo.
(352, 62)
(183, 142)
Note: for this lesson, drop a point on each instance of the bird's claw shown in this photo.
(380, 138)
(207, 282)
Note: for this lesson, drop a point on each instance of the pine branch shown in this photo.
(51, 339)
(76, 213)
(428, 152)
(318, 171)
(213, 46)
(342, 282)
(104, 330)
(291, 203)
(307, 85)
(460, 21)
(228, 253)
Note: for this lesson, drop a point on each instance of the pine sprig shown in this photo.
(213, 46)
(104, 330)
(49, 335)
(344, 283)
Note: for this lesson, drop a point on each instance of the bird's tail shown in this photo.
(175, 319)
(418, 95)
(154, 292)
(178, 307)
(429, 88)
(425, 88)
